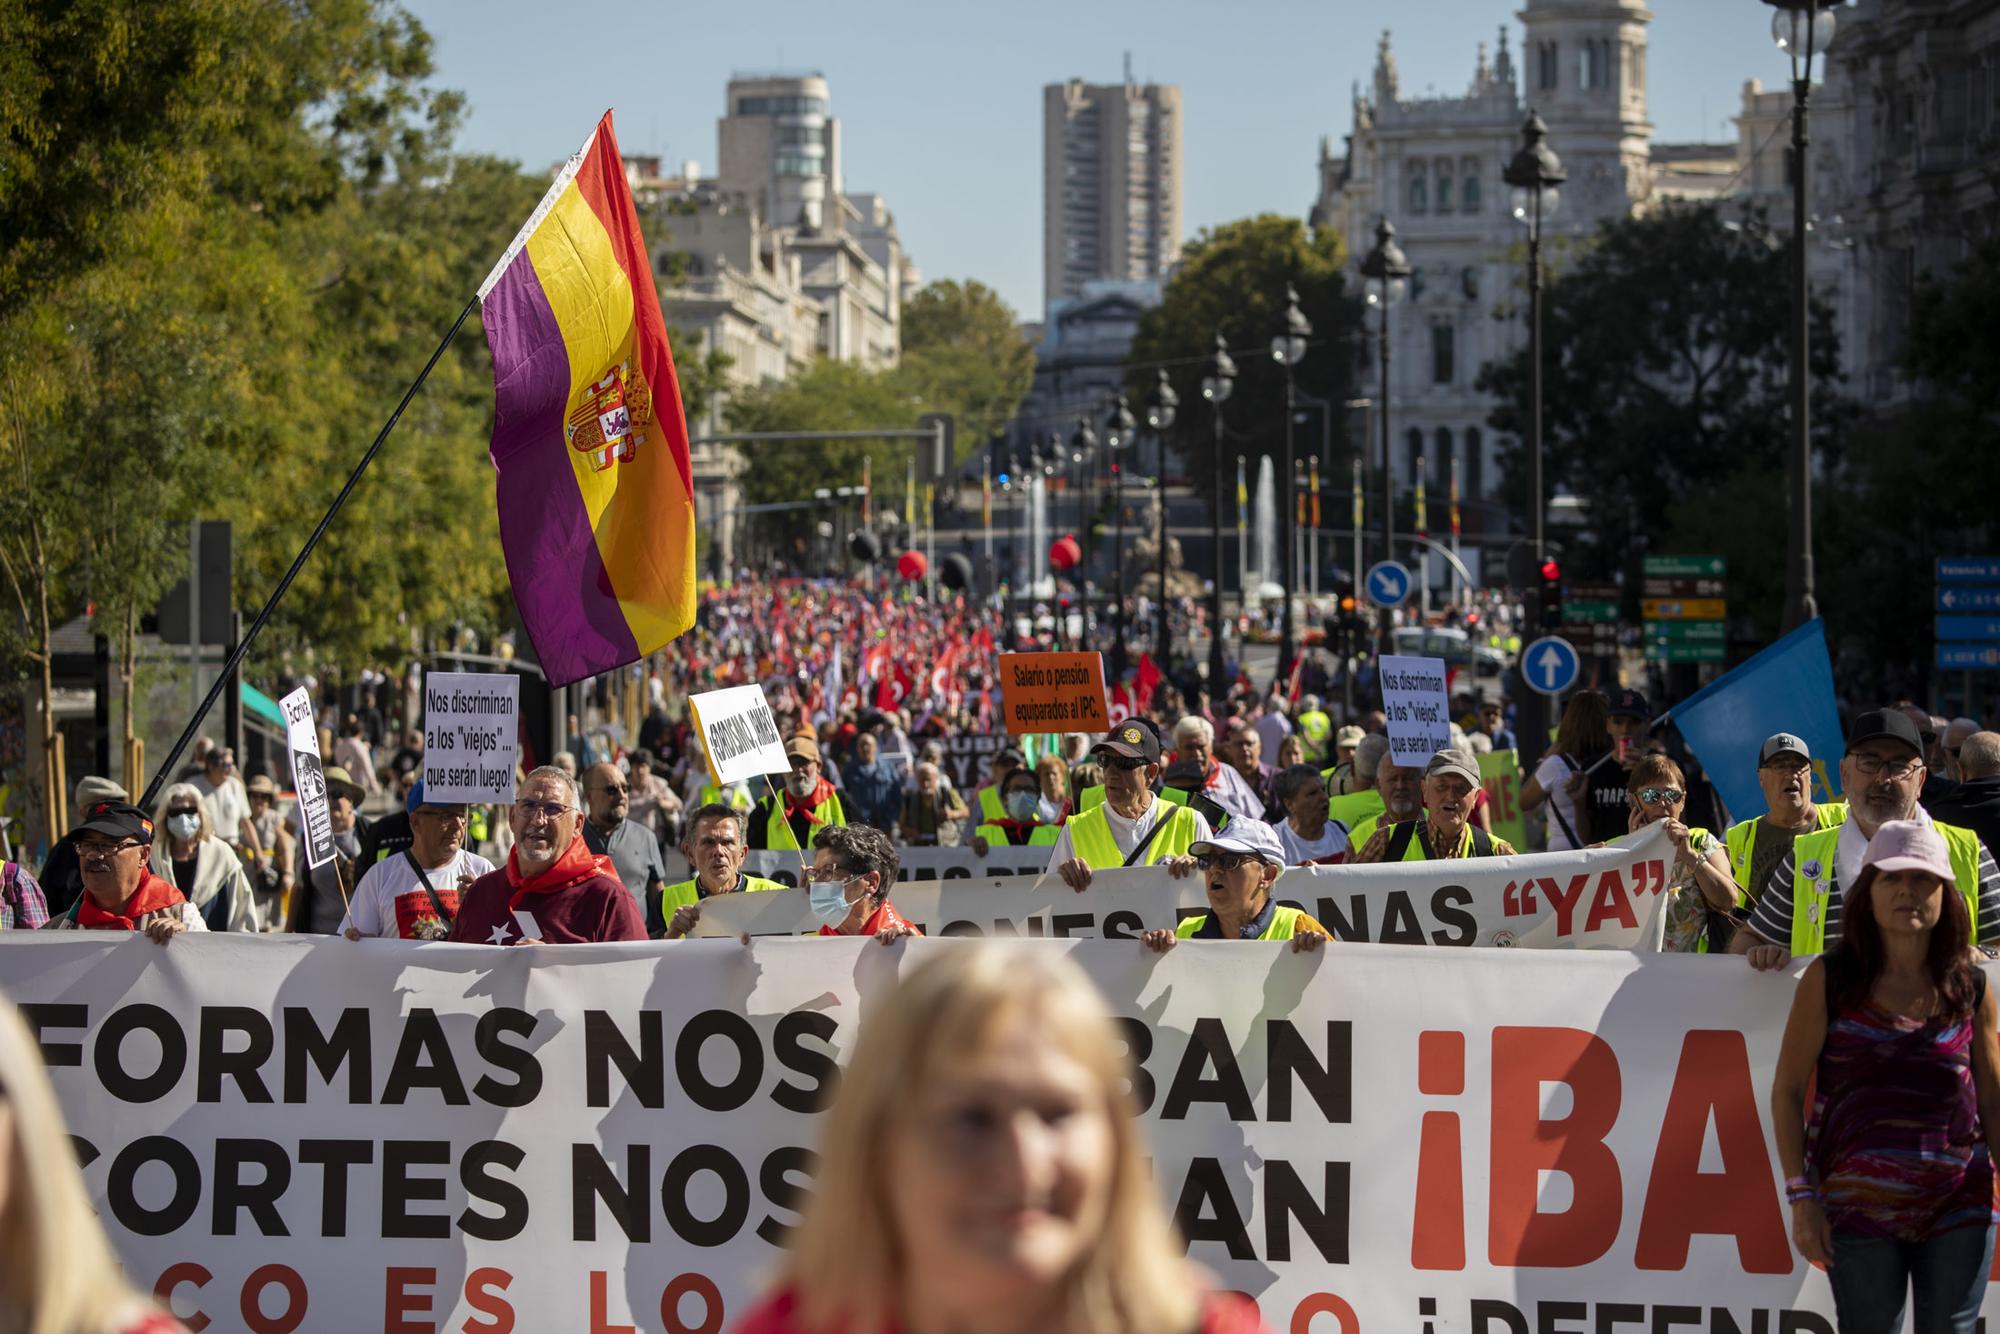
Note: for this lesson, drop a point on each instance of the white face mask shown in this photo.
(1021, 805)
(184, 826)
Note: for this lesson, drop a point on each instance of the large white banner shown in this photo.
(1600, 898)
(287, 1133)
(917, 864)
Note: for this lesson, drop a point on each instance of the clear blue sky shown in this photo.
(940, 103)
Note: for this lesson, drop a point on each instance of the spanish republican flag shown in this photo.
(596, 491)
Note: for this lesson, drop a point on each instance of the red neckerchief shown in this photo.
(821, 791)
(1014, 828)
(576, 865)
(880, 920)
(152, 895)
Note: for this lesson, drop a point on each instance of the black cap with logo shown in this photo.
(1131, 740)
(1885, 725)
(116, 819)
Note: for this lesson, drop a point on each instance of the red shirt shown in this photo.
(1221, 1313)
(596, 909)
(880, 920)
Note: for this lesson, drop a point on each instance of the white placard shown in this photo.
(739, 734)
(308, 779)
(472, 736)
(1418, 703)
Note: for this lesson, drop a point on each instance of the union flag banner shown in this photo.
(595, 488)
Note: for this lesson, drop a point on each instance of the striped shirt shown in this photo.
(1772, 917)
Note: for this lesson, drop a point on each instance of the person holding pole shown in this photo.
(119, 892)
(319, 900)
(787, 821)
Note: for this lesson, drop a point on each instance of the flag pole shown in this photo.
(236, 655)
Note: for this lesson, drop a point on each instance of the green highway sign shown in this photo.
(1590, 611)
(1658, 652)
(1697, 566)
(1662, 632)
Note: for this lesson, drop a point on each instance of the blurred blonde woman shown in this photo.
(982, 1169)
(57, 1274)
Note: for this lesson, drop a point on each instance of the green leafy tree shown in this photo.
(963, 353)
(1666, 344)
(1232, 278)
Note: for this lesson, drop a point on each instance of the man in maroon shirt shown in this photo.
(553, 889)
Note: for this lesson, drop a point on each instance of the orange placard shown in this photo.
(1053, 692)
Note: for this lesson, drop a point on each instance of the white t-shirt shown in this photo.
(1126, 834)
(1554, 773)
(390, 900)
(1331, 847)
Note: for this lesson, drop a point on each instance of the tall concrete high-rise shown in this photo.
(1111, 184)
(780, 146)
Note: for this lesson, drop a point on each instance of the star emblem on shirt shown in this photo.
(498, 936)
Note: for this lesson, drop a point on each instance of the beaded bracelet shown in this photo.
(1793, 1183)
(1801, 1196)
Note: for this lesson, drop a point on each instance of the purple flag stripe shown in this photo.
(561, 587)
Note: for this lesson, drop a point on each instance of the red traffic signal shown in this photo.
(1551, 572)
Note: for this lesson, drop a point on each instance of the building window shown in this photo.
(1468, 189)
(1444, 192)
(1444, 353)
(1591, 71)
(1475, 464)
(1419, 193)
(1547, 55)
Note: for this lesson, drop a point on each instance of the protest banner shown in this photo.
(293, 1133)
(308, 777)
(738, 734)
(1601, 898)
(1500, 776)
(917, 864)
(472, 736)
(971, 757)
(1053, 692)
(1419, 712)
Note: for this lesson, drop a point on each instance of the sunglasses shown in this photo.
(1120, 762)
(1656, 796)
(1227, 861)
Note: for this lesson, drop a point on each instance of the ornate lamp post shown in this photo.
(1288, 349)
(1118, 429)
(1536, 176)
(1388, 273)
(1803, 29)
(1162, 406)
(1216, 386)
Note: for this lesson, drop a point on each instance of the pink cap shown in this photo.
(1907, 845)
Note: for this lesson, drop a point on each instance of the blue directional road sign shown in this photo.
(1550, 665)
(1968, 627)
(1968, 657)
(1388, 583)
(1956, 597)
(1968, 569)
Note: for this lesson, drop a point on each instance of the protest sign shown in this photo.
(1601, 898)
(1500, 776)
(308, 777)
(1419, 713)
(292, 1133)
(1053, 692)
(472, 736)
(971, 757)
(739, 734)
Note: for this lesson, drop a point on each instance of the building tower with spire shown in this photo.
(1432, 166)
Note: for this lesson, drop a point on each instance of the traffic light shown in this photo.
(1551, 595)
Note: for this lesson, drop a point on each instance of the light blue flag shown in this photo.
(1786, 688)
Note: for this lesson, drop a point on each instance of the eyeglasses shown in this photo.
(1872, 765)
(1657, 796)
(1120, 762)
(547, 810)
(1786, 764)
(94, 851)
(182, 810)
(1227, 861)
(448, 814)
(833, 877)
(614, 789)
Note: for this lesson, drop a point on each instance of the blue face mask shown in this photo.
(829, 899)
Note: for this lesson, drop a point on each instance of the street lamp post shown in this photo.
(1388, 273)
(1803, 29)
(1536, 175)
(1288, 349)
(1082, 447)
(1118, 428)
(1216, 386)
(1162, 406)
